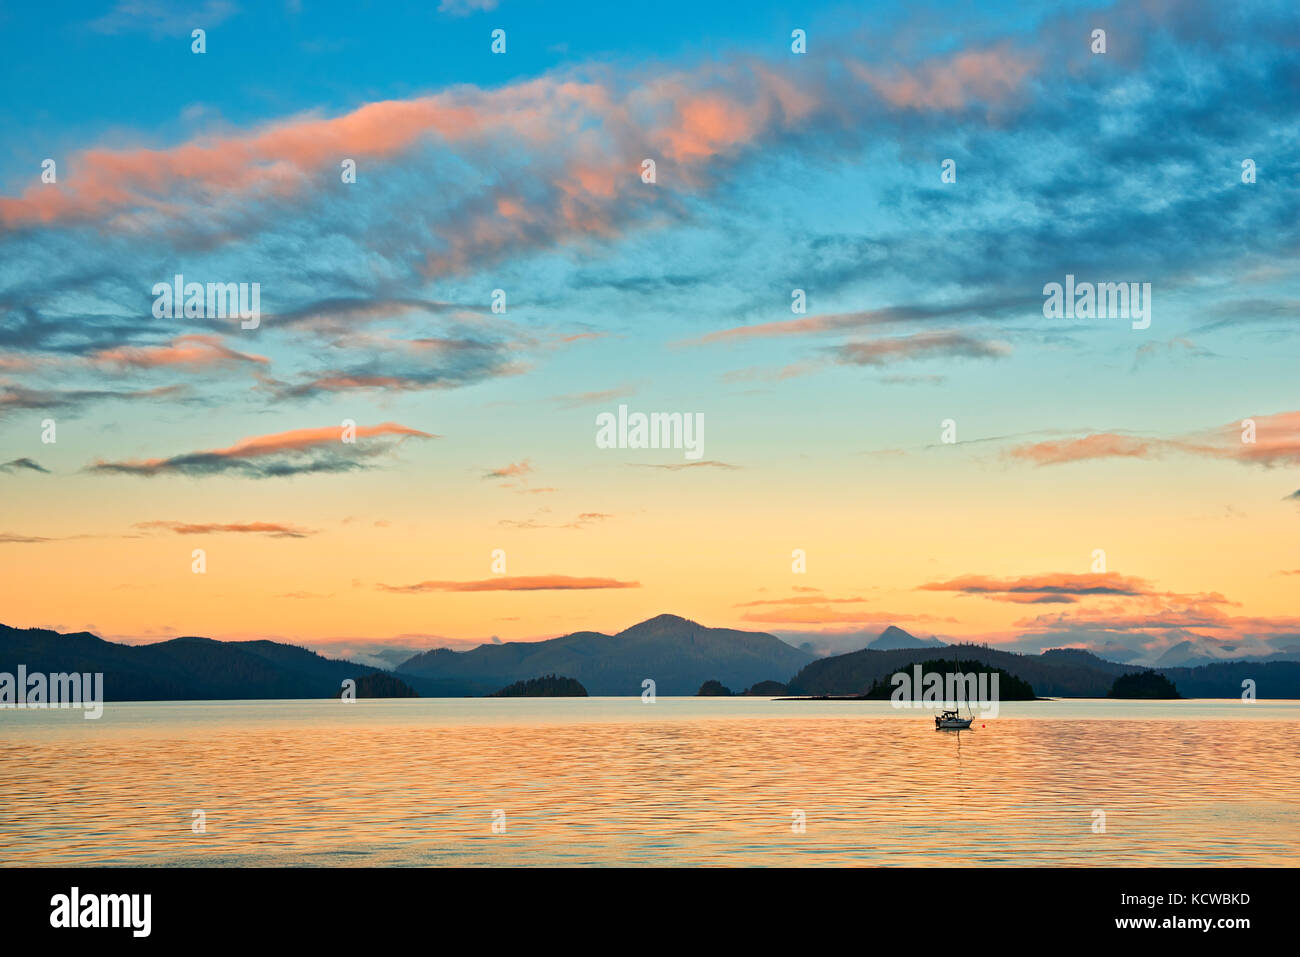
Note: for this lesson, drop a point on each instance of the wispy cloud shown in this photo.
(342, 315)
(1104, 445)
(160, 18)
(409, 365)
(20, 397)
(573, 134)
(921, 345)
(463, 8)
(1063, 588)
(272, 529)
(868, 318)
(189, 350)
(515, 470)
(1266, 440)
(24, 464)
(297, 452)
(577, 399)
(678, 466)
(1042, 589)
(583, 520)
(515, 583)
(802, 600)
(821, 615)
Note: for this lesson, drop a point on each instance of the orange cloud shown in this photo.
(1268, 440)
(1277, 440)
(1098, 446)
(705, 126)
(193, 350)
(270, 161)
(297, 439)
(513, 470)
(1051, 588)
(273, 529)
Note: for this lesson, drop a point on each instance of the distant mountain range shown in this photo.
(182, 669)
(1204, 651)
(678, 654)
(1059, 672)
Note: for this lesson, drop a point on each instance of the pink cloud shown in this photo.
(298, 451)
(954, 82)
(192, 350)
(1272, 441)
(584, 137)
(1099, 446)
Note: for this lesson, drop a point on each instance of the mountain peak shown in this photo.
(893, 638)
(676, 653)
(659, 622)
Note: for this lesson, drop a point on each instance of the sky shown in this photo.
(840, 266)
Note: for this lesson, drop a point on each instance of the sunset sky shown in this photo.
(774, 171)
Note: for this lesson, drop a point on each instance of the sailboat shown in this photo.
(951, 720)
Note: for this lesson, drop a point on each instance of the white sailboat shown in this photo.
(951, 720)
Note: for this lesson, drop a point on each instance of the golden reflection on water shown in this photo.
(697, 786)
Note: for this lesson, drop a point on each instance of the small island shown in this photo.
(547, 686)
(379, 685)
(1010, 687)
(1143, 684)
(922, 679)
(713, 688)
(767, 689)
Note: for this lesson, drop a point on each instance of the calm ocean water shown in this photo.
(680, 781)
